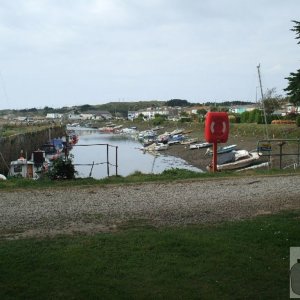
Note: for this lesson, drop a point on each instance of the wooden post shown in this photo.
(116, 160)
(107, 159)
(215, 153)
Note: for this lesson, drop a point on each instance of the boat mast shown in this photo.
(262, 101)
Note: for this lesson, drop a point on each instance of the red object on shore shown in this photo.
(216, 127)
(216, 131)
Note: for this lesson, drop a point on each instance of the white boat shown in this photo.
(220, 150)
(200, 145)
(176, 131)
(240, 163)
(30, 168)
(189, 141)
(232, 156)
(161, 146)
(2, 177)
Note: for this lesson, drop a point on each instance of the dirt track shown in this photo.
(95, 209)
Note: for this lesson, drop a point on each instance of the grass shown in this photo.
(234, 260)
(137, 177)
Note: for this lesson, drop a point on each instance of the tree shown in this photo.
(271, 101)
(202, 112)
(293, 88)
(177, 102)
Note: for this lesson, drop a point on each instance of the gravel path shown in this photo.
(43, 212)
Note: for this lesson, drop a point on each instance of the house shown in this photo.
(21, 119)
(87, 116)
(291, 109)
(242, 108)
(131, 115)
(103, 115)
(54, 116)
(73, 116)
(150, 112)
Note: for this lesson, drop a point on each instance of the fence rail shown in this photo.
(280, 148)
(107, 162)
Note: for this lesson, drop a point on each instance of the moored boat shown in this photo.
(220, 150)
(238, 163)
(200, 145)
(188, 141)
(161, 146)
(2, 177)
(32, 168)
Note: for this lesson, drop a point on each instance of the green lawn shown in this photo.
(246, 259)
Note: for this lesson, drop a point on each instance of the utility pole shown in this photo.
(262, 101)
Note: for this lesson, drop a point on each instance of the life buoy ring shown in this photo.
(218, 132)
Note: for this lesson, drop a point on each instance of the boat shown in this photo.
(51, 151)
(161, 146)
(220, 150)
(33, 168)
(239, 163)
(2, 177)
(176, 131)
(232, 156)
(200, 145)
(189, 141)
(175, 139)
(72, 138)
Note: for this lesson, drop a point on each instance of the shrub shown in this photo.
(62, 169)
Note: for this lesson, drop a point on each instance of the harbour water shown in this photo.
(130, 157)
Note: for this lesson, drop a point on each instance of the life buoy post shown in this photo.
(216, 131)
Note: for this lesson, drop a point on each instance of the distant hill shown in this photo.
(228, 103)
(120, 108)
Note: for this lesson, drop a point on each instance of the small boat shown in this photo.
(232, 156)
(2, 177)
(220, 150)
(32, 168)
(176, 131)
(161, 146)
(239, 163)
(51, 151)
(175, 139)
(189, 141)
(200, 145)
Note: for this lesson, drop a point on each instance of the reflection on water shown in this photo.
(130, 157)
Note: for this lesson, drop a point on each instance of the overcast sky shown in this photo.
(72, 52)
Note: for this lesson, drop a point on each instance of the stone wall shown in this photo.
(10, 147)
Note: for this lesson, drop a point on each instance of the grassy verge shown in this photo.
(137, 177)
(238, 260)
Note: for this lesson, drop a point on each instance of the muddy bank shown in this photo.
(198, 158)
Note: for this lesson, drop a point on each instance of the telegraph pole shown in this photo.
(262, 101)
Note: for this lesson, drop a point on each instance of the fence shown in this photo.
(107, 162)
(278, 149)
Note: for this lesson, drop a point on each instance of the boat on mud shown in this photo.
(200, 145)
(221, 150)
(240, 159)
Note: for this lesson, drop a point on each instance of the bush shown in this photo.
(62, 169)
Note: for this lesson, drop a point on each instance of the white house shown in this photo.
(87, 116)
(74, 117)
(54, 116)
(131, 115)
(150, 112)
(291, 108)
